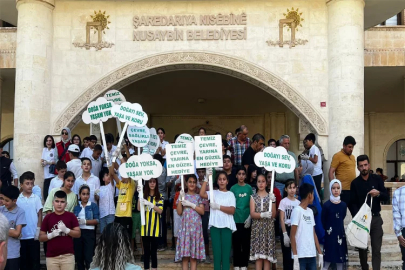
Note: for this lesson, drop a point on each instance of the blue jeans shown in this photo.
(280, 187)
(307, 263)
(105, 221)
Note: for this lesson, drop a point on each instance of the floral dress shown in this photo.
(262, 241)
(190, 242)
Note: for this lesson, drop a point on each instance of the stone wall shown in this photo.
(8, 38)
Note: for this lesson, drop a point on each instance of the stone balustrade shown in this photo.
(8, 41)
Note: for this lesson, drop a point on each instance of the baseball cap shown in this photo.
(74, 148)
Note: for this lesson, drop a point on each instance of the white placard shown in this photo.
(131, 113)
(141, 167)
(98, 111)
(185, 138)
(208, 151)
(154, 141)
(138, 136)
(179, 159)
(115, 96)
(275, 159)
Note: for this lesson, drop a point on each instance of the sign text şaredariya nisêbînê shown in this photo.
(223, 33)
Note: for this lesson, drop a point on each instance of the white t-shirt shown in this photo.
(314, 151)
(110, 153)
(96, 166)
(163, 144)
(75, 166)
(219, 219)
(82, 215)
(48, 155)
(304, 237)
(55, 183)
(287, 206)
(87, 152)
(93, 182)
(106, 201)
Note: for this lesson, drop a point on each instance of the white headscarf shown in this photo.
(69, 134)
(333, 198)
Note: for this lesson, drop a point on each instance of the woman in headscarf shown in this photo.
(63, 145)
(333, 216)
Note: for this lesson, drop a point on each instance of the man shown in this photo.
(398, 212)
(315, 157)
(5, 154)
(379, 171)
(75, 164)
(7, 173)
(257, 145)
(367, 183)
(282, 178)
(343, 167)
(4, 227)
(239, 144)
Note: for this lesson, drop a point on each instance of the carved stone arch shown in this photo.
(193, 60)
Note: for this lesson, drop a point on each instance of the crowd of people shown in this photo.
(81, 195)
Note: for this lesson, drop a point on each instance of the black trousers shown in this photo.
(47, 183)
(172, 219)
(241, 246)
(318, 183)
(150, 251)
(30, 254)
(126, 222)
(12, 264)
(345, 197)
(163, 238)
(205, 220)
(403, 251)
(288, 263)
(84, 249)
(376, 236)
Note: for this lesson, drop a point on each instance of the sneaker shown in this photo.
(161, 248)
(142, 258)
(207, 260)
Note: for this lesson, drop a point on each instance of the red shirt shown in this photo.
(61, 147)
(62, 244)
(277, 193)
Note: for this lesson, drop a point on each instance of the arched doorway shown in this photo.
(204, 61)
(395, 159)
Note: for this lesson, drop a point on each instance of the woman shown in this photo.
(63, 145)
(78, 141)
(113, 251)
(202, 132)
(49, 157)
(221, 223)
(162, 146)
(241, 238)
(272, 143)
(190, 244)
(229, 136)
(151, 231)
(68, 182)
(88, 216)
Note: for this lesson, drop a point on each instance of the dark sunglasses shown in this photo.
(65, 133)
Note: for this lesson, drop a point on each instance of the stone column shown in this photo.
(32, 107)
(346, 75)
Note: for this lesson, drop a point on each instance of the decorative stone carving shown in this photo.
(194, 60)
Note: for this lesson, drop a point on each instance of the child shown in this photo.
(252, 177)
(153, 225)
(88, 216)
(16, 219)
(263, 211)
(241, 238)
(87, 178)
(86, 141)
(221, 222)
(96, 162)
(136, 220)
(105, 198)
(190, 241)
(57, 181)
(333, 216)
(201, 172)
(88, 151)
(75, 164)
(58, 230)
(123, 212)
(31, 203)
(286, 207)
(176, 216)
(303, 236)
(67, 186)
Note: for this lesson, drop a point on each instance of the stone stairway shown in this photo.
(391, 256)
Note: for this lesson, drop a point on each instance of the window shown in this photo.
(396, 160)
(395, 20)
(8, 146)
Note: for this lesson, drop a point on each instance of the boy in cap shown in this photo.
(75, 164)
